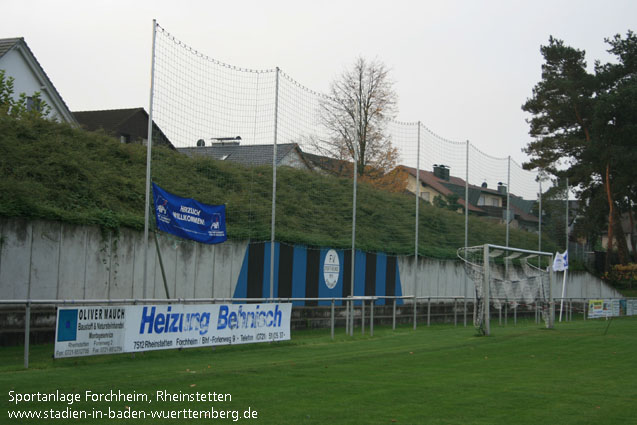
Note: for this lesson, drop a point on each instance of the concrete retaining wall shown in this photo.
(51, 260)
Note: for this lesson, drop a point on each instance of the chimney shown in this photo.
(226, 141)
(502, 188)
(484, 185)
(441, 171)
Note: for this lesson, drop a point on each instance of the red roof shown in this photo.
(436, 183)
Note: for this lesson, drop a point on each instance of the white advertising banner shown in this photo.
(92, 330)
(631, 307)
(603, 308)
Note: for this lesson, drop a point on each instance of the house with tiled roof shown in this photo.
(287, 154)
(19, 63)
(483, 201)
(436, 183)
(127, 125)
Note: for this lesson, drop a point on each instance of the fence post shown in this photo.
(584, 308)
(346, 302)
(515, 314)
(27, 332)
(371, 318)
(393, 317)
(465, 311)
(428, 311)
(332, 320)
(415, 306)
(363, 317)
(455, 313)
(506, 312)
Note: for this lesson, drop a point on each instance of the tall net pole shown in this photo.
(417, 215)
(149, 144)
(508, 211)
(485, 292)
(274, 164)
(539, 237)
(355, 167)
(466, 225)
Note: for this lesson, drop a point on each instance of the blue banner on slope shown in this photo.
(188, 218)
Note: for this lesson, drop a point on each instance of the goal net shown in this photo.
(505, 275)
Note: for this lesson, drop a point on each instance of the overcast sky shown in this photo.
(463, 68)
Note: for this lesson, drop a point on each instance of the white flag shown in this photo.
(560, 262)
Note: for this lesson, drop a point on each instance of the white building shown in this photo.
(18, 61)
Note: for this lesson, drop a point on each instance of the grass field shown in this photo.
(575, 374)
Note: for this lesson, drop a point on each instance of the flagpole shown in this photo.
(565, 256)
(563, 294)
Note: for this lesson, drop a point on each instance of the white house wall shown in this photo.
(26, 81)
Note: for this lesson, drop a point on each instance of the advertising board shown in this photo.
(93, 330)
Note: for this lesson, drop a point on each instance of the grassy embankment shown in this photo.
(52, 171)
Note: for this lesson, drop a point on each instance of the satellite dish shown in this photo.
(201, 143)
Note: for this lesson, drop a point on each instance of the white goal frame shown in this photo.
(486, 299)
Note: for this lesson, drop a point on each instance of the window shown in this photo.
(481, 201)
(494, 202)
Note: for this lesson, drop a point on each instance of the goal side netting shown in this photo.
(505, 276)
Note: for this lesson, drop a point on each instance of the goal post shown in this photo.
(505, 275)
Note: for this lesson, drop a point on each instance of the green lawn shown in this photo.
(574, 374)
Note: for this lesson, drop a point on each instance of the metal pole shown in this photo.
(346, 303)
(415, 307)
(551, 306)
(566, 250)
(356, 154)
(466, 227)
(515, 314)
(539, 238)
(566, 226)
(465, 311)
(161, 266)
(332, 320)
(428, 312)
(455, 312)
(485, 292)
(274, 164)
(363, 317)
(584, 308)
(417, 212)
(27, 333)
(508, 199)
(371, 318)
(353, 274)
(149, 143)
(393, 316)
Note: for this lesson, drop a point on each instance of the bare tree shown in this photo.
(355, 114)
